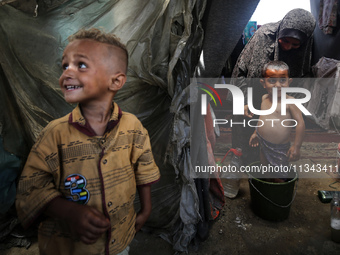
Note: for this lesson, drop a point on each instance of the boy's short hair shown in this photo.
(275, 65)
(100, 36)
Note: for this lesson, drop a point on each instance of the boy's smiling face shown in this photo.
(89, 71)
(276, 78)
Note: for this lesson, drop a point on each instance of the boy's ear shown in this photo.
(117, 82)
(290, 80)
(262, 82)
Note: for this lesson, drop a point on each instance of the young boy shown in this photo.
(81, 175)
(274, 137)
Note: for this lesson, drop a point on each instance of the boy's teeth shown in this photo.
(72, 87)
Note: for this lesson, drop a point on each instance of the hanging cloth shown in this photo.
(327, 15)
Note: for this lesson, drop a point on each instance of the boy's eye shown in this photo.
(272, 81)
(65, 66)
(82, 65)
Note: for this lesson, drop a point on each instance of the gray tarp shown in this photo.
(164, 39)
(325, 45)
(325, 104)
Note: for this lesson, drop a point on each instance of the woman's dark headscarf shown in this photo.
(300, 25)
(264, 47)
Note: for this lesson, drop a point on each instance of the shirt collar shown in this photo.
(77, 120)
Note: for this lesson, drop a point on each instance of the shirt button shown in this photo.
(113, 240)
(109, 204)
(104, 161)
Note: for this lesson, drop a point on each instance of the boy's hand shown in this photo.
(247, 113)
(293, 153)
(141, 219)
(254, 140)
(85, 222)
(144, 192)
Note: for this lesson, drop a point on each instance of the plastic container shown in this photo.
(326, 196)
(231, 182)
(335, 218)
(231, 186)
(272, 201)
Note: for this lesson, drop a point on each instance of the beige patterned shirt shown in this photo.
(69, 160)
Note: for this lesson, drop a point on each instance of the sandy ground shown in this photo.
(239, 231)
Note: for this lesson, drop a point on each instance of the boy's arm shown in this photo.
(294, 151)
(146, 173)
(144, 192)
(247, 113)
(85, 222)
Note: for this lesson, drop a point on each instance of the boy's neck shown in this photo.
(97, 116)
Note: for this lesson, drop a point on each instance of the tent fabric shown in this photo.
(325, 45)
(324, 104)
(164, 40)
(224, 23)
(10, 168)
(328, 15)
(224, 26)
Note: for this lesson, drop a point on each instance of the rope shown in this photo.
(236, 152)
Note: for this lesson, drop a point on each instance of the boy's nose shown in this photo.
(68, 73)
(278, 84)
